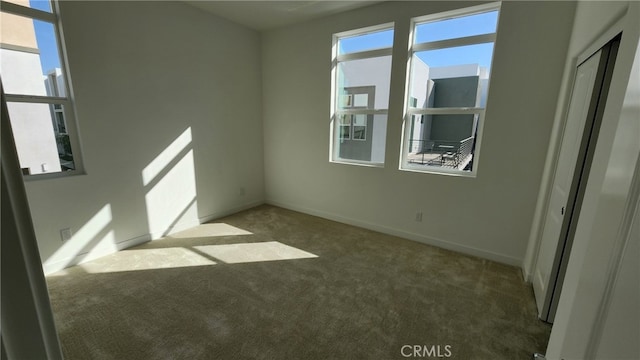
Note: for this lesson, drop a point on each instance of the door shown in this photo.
(576, 150)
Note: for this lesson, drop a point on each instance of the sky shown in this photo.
(45, 36)
(434, 31)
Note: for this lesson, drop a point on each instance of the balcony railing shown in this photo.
(451, 154)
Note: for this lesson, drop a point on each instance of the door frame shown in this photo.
(551, 162)
(584, 161)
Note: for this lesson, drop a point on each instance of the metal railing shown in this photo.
(452, 154)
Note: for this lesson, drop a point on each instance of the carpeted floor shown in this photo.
(270, 283)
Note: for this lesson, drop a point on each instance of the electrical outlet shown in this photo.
(419, 216)
(65, 234)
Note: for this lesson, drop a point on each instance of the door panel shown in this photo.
(560, 203)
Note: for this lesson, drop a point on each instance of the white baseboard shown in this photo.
(527, 276)
(184, 225)
(464, 249)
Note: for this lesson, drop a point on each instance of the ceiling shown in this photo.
(265, 14)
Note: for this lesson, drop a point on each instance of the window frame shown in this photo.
(66, 102)
(336, 109)
(410, 110)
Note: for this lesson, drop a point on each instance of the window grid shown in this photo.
(354, 108)
(416, 114)
(57, 96)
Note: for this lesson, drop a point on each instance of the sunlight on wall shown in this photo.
(162, 161)
(254, 252)
(171, 199)
(92, 237)
(147, 259)
(210, 230)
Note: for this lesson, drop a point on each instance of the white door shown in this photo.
(544, 272)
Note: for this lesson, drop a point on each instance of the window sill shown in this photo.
(358, 163)
(434, 171)
(54, 175)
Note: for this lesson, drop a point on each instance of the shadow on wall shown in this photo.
(170, 200)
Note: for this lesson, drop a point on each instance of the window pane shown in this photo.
(361, 100)
(360, 127)
(452, 77)
(44, 5)
(370, 78)
(367, 144)
(28, 55)
(442, 140)
(478, 24)
(41, 137)
(344, 127)
(371, 41)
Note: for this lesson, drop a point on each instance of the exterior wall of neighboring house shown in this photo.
(22, 74)
(447, 86)
(376, 73)
(454, 92)
(420, 125)
(54, 83)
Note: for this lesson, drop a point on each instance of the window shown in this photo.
(37, 89)
(361, 78)
(450, 63)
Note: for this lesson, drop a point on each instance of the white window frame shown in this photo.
(336, 111)
(410, 111)
(68, 107)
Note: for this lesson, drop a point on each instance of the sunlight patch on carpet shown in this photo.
(147, 259)
(210, 230)
(254, 252)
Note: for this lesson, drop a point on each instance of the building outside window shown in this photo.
(361, 79)
(36, 88)
(450, 63)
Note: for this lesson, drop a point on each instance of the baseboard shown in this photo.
(526, 275)
(464, 249)
(175, 228)
(51, 267)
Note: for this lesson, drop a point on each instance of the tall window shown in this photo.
(450, 64)
(361, 78)
(37, 89)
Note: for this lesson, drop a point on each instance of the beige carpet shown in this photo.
(269, 283)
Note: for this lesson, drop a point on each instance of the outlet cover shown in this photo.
(65, 234)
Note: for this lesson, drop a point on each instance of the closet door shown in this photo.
(574, 161)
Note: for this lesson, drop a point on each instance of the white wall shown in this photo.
(597, 278)
(168, 103)
(489, 215)
(621, 328)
